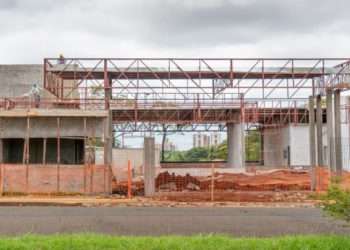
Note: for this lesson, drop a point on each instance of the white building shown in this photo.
(201, 140)
(290, 145)
(215, 138)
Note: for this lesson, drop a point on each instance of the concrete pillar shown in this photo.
(1, 161)
(312, 131)
(149, 165)
(1, 151)
(230, 143)
(319, 119)
(1, 144)
(348, 121)
(108, 151)
(337, 132)
(312, 139)
(330, 129)
(262, 148)
(235, 145)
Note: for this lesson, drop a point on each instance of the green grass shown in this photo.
(90, 241)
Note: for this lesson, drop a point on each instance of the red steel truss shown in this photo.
(190, 90)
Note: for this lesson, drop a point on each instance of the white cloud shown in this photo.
(32, 30)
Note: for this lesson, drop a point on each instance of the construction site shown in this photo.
(60, 120)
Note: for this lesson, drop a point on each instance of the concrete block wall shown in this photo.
(218, 164)
(43, 178)
(120, 157)
(71, 151)
(46, 127)
(201, 171)
(296, 137)
(16, 80)
(299, 145)
(276, 141)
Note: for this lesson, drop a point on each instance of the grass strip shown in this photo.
(215, 242)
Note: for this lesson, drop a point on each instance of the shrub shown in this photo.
(336, 202)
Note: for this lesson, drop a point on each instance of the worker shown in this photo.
(61, 60)
(36, 93)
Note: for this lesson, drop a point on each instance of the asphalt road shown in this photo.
(168, 221)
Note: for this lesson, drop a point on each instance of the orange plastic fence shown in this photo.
(216, 185)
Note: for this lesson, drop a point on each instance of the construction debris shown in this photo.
(289, 185)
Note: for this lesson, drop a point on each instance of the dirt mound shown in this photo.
(281, 185)
(276, 181)
(121, 188)
(178, 183)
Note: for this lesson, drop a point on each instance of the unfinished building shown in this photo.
(48, 145)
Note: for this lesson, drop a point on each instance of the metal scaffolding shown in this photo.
(190, 94)
(193, 90)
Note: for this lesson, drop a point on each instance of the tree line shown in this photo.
(217, 152)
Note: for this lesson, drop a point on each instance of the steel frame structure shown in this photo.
(131, 73)
(184, 91)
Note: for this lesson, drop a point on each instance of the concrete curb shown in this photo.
(144, 202)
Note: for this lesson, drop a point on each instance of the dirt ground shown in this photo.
(288, 185)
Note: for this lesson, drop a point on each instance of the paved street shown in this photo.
(167, 221)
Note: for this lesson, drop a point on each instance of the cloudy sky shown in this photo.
(34, 29)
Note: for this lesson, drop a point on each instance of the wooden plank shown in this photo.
(1, 179)
(1, 144)
(27, 154)
(44, 151)
(1, 161)
(58, 154)
(85, 163)
(53, 113)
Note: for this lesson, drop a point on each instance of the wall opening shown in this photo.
(13, 150)
(71, 151)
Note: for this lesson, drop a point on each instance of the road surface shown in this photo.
(168, 221)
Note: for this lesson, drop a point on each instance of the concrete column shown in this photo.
(1, 161)
(235, 145)
(1, 144)
(312, 139)
(312, 131)
(319, 131)
(348, 121)
(149, 165)
(262, 148)
(330, 129)
(230, 142)
(44, 150)
(108, 151)
(337, 132)
(1, 151)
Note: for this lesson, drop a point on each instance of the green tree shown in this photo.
(219, 152)
(252, 145)
(167, 129)
(197, 154)
(175, 156)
